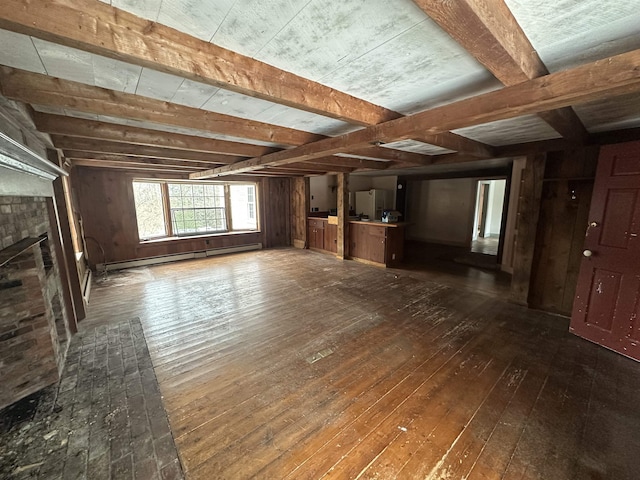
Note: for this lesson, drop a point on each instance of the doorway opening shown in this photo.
(488, 217)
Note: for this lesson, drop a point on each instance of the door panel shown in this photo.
(605, 289)
(607, 302)
(618, 218)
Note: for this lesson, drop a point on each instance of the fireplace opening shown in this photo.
(60, 328)
(46, 253)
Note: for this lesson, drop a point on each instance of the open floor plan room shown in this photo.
(291, 364)
(324, 238)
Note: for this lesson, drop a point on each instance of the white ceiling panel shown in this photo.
(47, 109)
(528, 128)
(251, 24)
(421, 67)
(301, 120)
(613, 114)
(115, 75)
(18, 51)
(64, 62)
(85, 115)
(158, 85)
(201, 18)
(65, 112)
(236, 104)
(417, 147)
(194, 94)
(328, 34)
(148, 9)
(604, 41)
(189, 131)
(547, 22)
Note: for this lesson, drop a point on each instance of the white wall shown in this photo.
(18, 184)
(496, 201)
(512, 212)
(390, 183)
(441, 211)
(323, 196)
(358, 183)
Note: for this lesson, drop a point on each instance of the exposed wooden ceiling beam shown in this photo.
(99, 28)
(605, 78)
(131, 166)
(119, 148)
(458, 143)
(80, 127)
(311, 168)
(350, 162)
(489, 31)
(390, 154)
(108, 157)
(528, 148)
(38, 89)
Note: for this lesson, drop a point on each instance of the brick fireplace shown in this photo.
(34, 331)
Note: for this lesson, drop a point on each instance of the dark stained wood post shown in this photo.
(300, 207)
(526, 226)
(343, 215)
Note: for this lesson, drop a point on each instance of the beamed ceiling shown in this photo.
(211, 88)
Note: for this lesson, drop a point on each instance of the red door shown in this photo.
(607, 303)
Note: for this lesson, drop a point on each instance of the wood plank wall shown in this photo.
(526, 225)
(106, 203)
(276, 211)
(300, 207)
(564, 208)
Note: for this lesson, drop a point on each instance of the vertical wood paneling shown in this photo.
(68, 268)
(107, 209)
(343, 215)
(276, 207)
(526, 225)
(564, 207)
(108, 215)
(300, 207)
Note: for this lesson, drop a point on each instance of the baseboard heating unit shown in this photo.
(143, 262)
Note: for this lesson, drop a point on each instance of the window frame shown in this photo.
(228, 210)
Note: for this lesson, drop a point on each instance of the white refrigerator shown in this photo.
(372, 202)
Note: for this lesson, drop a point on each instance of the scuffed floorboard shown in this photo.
(424, 380)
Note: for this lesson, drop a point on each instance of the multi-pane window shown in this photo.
(149, 209)
(243, 206)
(197, 208)
(189, 208)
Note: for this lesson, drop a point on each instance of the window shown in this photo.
(168, 209)
(149, 209)
(243, 206)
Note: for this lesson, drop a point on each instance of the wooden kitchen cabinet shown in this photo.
(371, 242)
(331, 238)
(316, 233)
(377, 243)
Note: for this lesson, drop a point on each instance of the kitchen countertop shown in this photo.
(378, 223)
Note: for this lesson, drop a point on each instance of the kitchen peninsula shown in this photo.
(371, 242)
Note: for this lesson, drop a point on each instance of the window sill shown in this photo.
(196, 237)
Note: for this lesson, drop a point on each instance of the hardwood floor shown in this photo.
(292, 364)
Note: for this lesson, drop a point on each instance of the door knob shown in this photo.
(587, 253)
